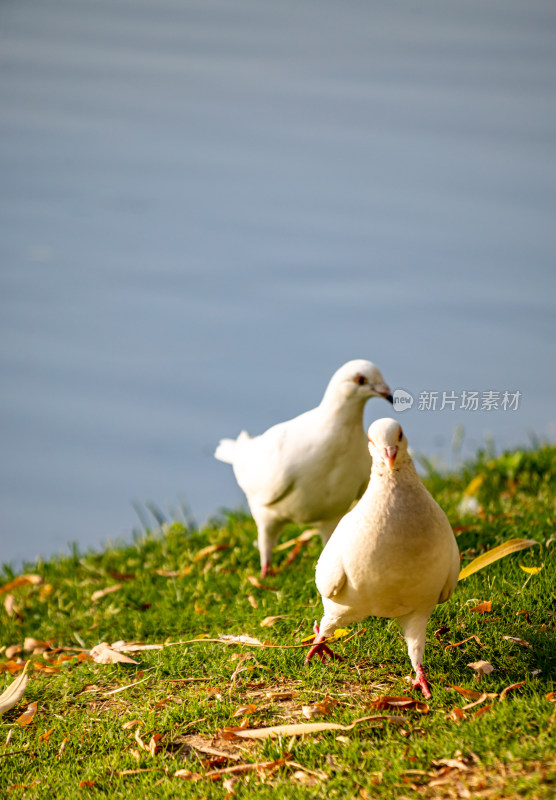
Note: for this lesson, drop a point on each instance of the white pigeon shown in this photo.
(394, 555)
(310, 469)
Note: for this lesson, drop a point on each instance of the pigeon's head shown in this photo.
(387, 443)
(358, 380)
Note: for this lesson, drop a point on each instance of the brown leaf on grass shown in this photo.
(32, 645)
(10, 607)
(27, 717)
(483, 710)
(459, 644)
(320, 708)
(259, 766)
(44, 737)
(511, 688)
(258, 585)
(517, 640)
(302, 729)
(482, 608)
(277, 695)
(103, 592)
(551, 697)
(11, 666)
(121, 576)
(131, 724)
(481, 699)
(87, 784)
(451, 763)
(187, 775)
(456, 714)
(481, 667)
(268, 622)
(103, 654)
(252, 602)
(244, 711)
(386, 701)
(174, 573)
(13, 650)
(470, 694)
(442, 631)
(21, 580)
(208, 551)
(38, 666)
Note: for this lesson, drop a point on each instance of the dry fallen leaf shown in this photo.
(471, 694)
(13, 667)
(244, 711)
(44, 737)
(482, 607)
(27, 717)
(459, 644)
(13, 650)
(302, 729)
(551, 697)
(456, 714)
(11, 609)
(320, 708)
(517, 640)
(21, 580)
(134, 647)
(103, 654)
(484, 560)
(510, 688)
(481, 667)
(258, 585)
(31, 645)
(103, 592)
(268, 622)
(241, 639)
(386, 701)
(208, 551)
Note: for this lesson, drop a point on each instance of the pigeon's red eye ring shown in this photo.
(361, 380)
(371, 441)
(400, 435)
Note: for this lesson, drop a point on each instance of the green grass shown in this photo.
(78, 743)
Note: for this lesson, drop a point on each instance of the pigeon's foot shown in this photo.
(420, 681)
(321, 649)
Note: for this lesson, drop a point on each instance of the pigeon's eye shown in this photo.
(361, 380)
(400, 435)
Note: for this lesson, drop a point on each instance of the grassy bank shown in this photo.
(162, 727)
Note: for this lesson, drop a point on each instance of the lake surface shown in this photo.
(209, 206)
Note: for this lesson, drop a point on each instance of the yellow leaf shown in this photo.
(531, 570)
(27, 717)
(484, 560)
(474, 485)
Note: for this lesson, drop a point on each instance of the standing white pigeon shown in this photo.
(310, 469)
(394, 555)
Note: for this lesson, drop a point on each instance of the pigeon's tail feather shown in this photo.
(226, 450)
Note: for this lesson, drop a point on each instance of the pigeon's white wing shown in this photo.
(330, 575)
(451, 581)
(267, 466)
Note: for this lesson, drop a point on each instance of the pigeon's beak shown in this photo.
(383, 390)
(390, 454)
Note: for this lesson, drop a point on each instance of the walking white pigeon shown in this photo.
(393, 555)
(310, 469)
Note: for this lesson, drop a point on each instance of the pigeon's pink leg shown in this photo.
(420, 681)
(321, 649)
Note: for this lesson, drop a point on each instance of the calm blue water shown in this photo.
(207, 207)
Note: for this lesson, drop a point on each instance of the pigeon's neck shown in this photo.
(341, 408)
(402, 473)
